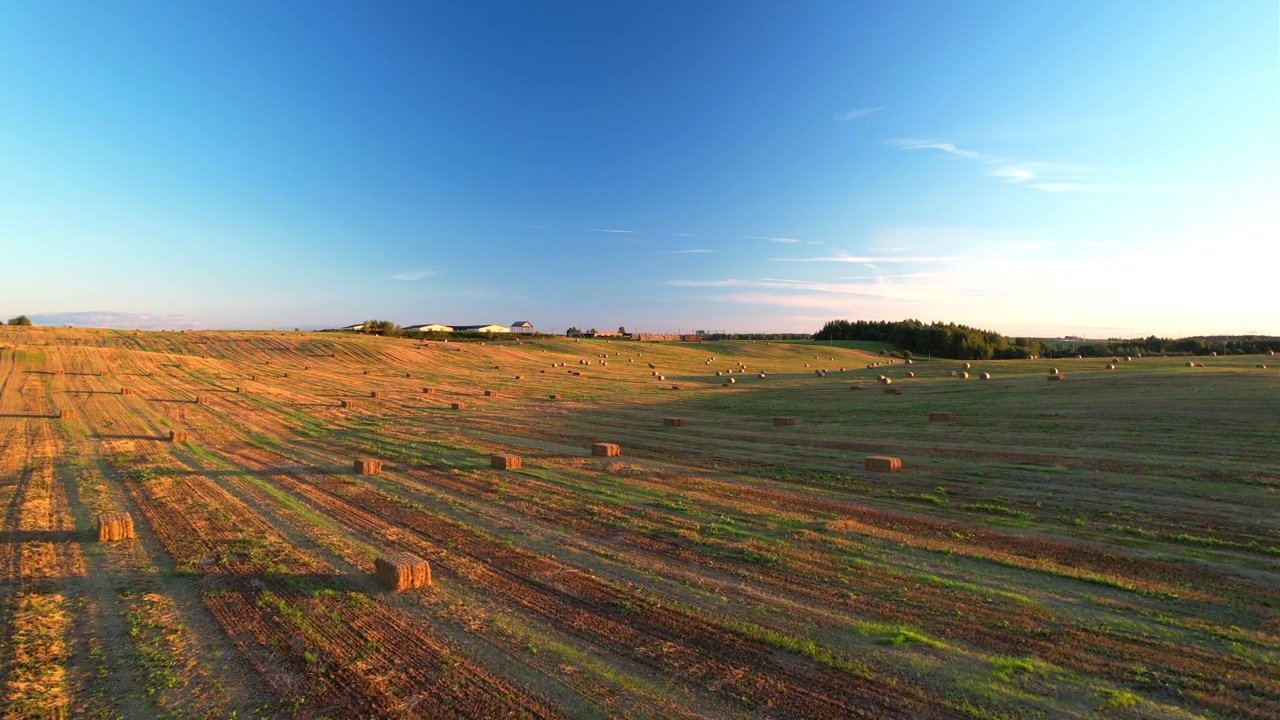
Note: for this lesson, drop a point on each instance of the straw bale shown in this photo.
(784, 421)
(115, 526)
(178, 436)
(400, 571)
(240, 389)
(985, 376)
(367, 467)
(553, 396)
(968, 366)
(346, 403)
(1053, 371)
(1059, 376)
(882, 463)
(1190, 363)
(910, 374)
(126, 391)
(458, 406)
(202, 400)
(762, 375)
(941, 416)
(426, 391)
(490, 393)
(855, 387)
(505, 462)
(605, 450)
(892, 391)
(1261, 366)
(962, 375)
(675, 387)
(374, 394)
(1110, 366)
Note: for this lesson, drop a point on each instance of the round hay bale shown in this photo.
(733, 381)
(1190, 364)
(1110, 366)
(1260, 366)
(954, 373)
(910, 374)
(1053, 371)
(985, 376)
(762, 375)
(1213, 354)
(962, 375)
(968, 366)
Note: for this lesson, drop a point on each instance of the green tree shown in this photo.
(622, 329)
(22, 320)
(382, 327)
(575, 330)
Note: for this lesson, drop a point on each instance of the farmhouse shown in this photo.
(429, 327)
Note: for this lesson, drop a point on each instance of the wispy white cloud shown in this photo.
(946, 147)
(785, 240)
(121, 320)
(685, 252)
(847, 258)
(611, 230)
(413, 275)
(858, 113)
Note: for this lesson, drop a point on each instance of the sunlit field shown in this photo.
(1105, 545)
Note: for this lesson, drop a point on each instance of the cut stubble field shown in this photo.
(1107, 545)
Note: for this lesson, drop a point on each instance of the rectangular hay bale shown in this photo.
(784, 421)
(882, 463)
(115, 526)
(368, 467)
(490, 393)
(505, 462)
(458, 406)
(892, 391)
(178, 436)
(402, 571)
(66, 413)
(605, 450)
(126, 391)
(375, 394)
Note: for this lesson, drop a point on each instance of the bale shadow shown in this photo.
(131, 437)
(53, 536)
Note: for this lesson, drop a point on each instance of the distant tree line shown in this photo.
(948, 340)
(1202, 345)
(21, 320)
(961, 342)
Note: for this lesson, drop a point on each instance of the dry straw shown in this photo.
(402, 571)
(882, 463)
(505, 462)
(115, 526)
(367, 467)
(605, 450)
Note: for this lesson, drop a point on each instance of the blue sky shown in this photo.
(1042, 168)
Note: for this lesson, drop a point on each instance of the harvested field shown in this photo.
(1080, 549)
